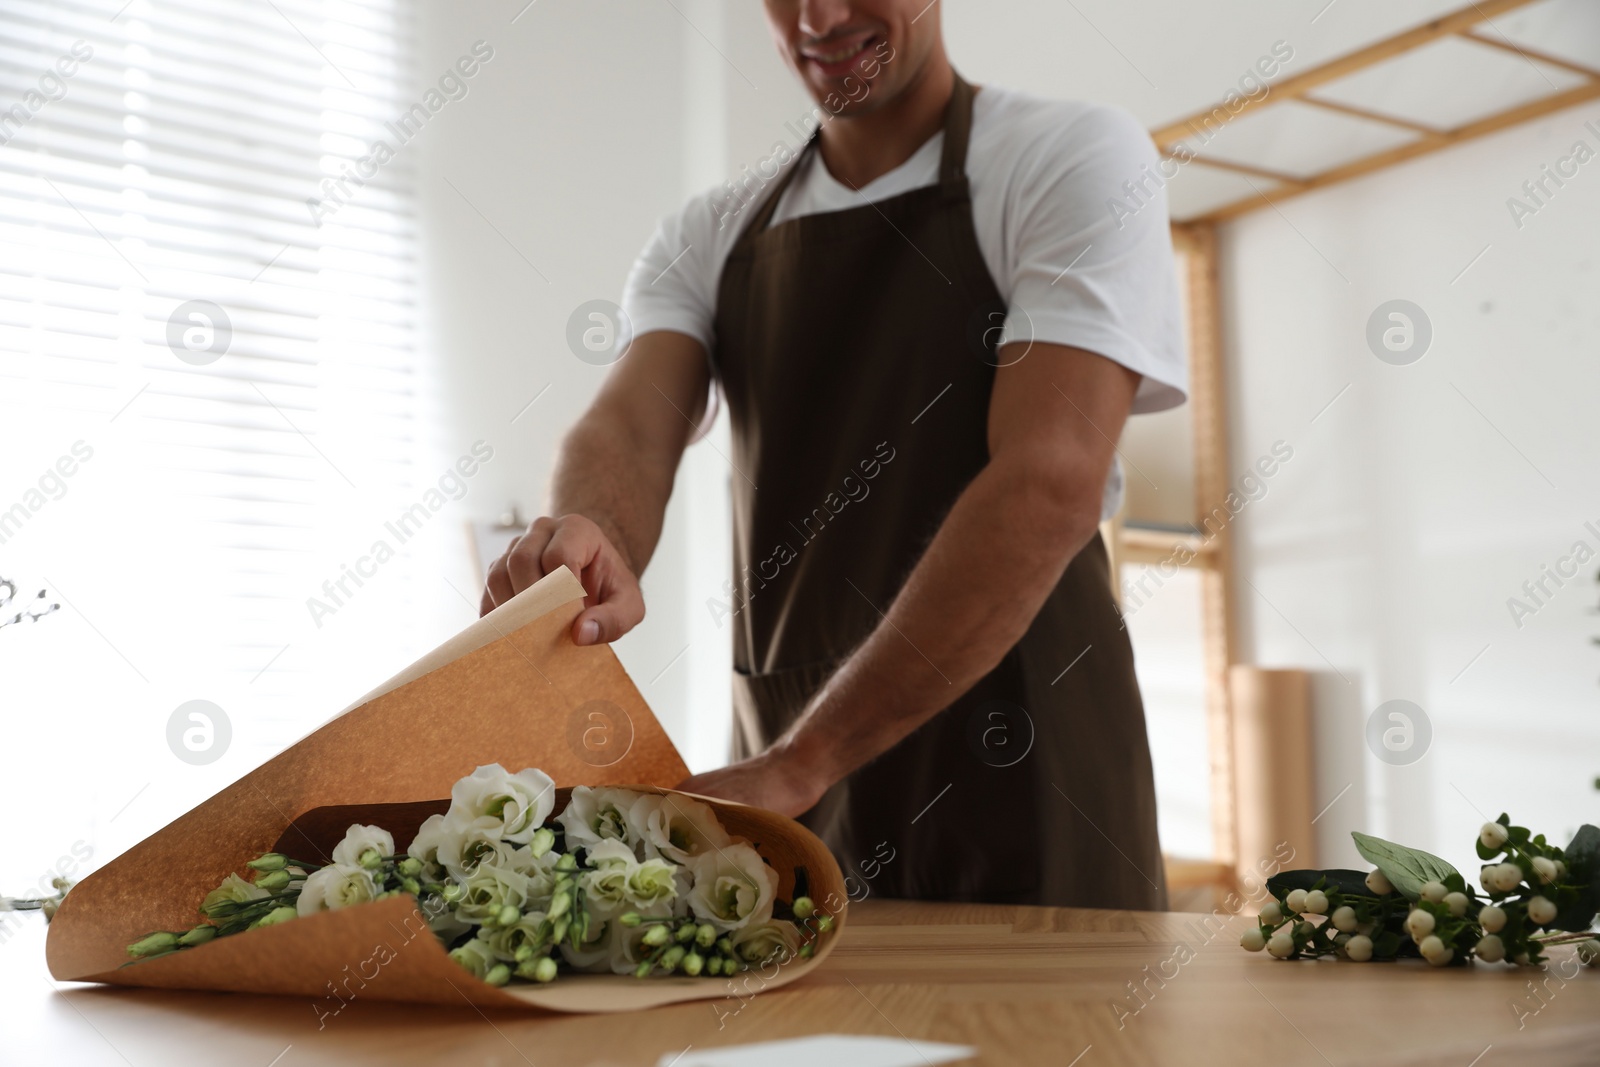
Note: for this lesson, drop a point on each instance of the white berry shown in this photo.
(1457, 903)
(1545, 868)
(1419, 924)
(1252, 940)
(1491, 949)
(1493, 835)
(1359, 948)
(1541, 911)
(1296, 900)
(1379, 884)
(1442, 958)
(1433, 892)
(1281, 945)
(1589, 952)
(1492, 918)
(1430, 946)
(1317, 902)
(1344, 918)
(1271, 915)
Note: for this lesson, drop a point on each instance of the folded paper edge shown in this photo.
(558, 587)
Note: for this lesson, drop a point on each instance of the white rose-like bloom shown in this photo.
(733, 887)
(773, 940)
(337, 886)
(596, 815)
(425, 847)
(464, 843)
(517, 803)
(679, 828)
(488, 889)
(357, 840)
(606, 887)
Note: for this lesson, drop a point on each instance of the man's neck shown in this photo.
(859, 148)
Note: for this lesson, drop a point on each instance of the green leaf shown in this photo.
(1583, 869)
(1349, 883)
(1406, 868)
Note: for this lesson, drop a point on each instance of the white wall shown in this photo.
(1424, 498)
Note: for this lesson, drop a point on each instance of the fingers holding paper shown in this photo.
(613, 604)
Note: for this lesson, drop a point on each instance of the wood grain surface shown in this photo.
(1021, 985)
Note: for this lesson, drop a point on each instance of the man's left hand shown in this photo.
(772, 781)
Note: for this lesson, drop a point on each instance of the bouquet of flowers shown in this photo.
(1535, 895)
(620, 882)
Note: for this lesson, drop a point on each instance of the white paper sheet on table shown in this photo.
(841, 1050)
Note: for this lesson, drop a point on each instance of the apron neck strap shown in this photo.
(957, 129)
(952, 160)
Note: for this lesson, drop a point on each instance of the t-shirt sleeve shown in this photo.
(672, 285)
(1092, 265)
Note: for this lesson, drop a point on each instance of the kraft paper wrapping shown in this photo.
(513, 689)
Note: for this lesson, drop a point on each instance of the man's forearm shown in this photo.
(1001, 549)
(605, 475)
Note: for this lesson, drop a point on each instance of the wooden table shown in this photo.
(1021, 985)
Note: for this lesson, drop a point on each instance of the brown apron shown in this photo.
(856, 352)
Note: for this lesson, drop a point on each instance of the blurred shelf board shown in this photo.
(1155, 545)
(1020, 985)
(1175, 140)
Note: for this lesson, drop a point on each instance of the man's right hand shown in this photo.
(613, 604)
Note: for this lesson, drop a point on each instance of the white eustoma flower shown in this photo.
(358, 840)
(679, 828)
(595, 815)
(336, 886)
(487, 890)
(606, 887)
(465, 842)
(732, 887)
(772, 941)
(425, 847)
(517, 803)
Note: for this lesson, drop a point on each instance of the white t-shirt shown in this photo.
(1043, 173)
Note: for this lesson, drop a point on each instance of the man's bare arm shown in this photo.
(613, 477)
(1053, 421)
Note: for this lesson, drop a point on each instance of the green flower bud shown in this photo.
(198, 936)
(803, 907)
(410, 866)
(705, 935)
(451, 892)
(559, 930)
(630, 919)
(508, 916)
(807, 950)
(686, 932)
(567, 862)
(714, 966)
(644, 969)
(277, 915)
(152, 944)
(272, 861)
(545, 970)
(273, 881)
(499, 974)
(559, 906)
(371, 859)
(725, 945)
(410, 885)
(824, 923)
(543, 839)
(693, 964)
(656, 936)
(672, 957)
